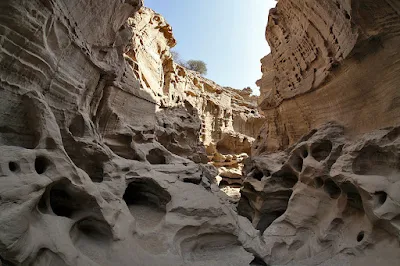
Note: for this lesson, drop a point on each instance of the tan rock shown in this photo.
(194, 112)
(329, 61)
(327, 197)
(89, 174)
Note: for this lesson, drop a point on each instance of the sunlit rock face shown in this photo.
(86, 175)
(194, 112)
(330, 61)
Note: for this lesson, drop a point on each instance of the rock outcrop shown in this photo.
(94, 167)
(330, 61)
(327, 200)
(322, 183)
(227, 119)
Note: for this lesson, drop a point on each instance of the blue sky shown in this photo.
(228, 35)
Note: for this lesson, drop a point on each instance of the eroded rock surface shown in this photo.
(88, 174)
(227, 119)
(327, 200)
(330, 61)
(323, 192)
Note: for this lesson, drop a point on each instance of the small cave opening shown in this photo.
(147, 201)
(296, 162)
(97, 173)
(146, 191)
(13, 166)
(353, 196)
(257, 174)
(41, 164)
(60, 202)
(393, 134)
(332, 188)
(318, 182)
(360, 236)
(91, 162)
(381, 197)
(63, 199)
(94, 229)
(77, 126)
(268, 218)
(285, 177)
(320, 150)
(121, 144)
(156, 156)
(258, 262)
(304, 153)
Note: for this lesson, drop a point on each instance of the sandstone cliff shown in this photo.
(94, 159)
(108, 146)
(324, 192)
(330, 60)
(227, 119)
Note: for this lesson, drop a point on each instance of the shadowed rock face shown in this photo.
(329, 61)
(327, 199)
(87, 175)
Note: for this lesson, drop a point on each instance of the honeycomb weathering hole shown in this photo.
(257, 174)
(60, 202)
(373, 160)
(285, 177)
(321, 150)
(360, 236)
(332, 189)
(296, 162)
(63, 199)
(394, 134)
(13, 166)
(304, 153)
(382, 197)
(94, 229)
(319, 182)
(268, 218)
(156, 156)
(258, 262)
(147, 201)
(77, 126)
(41, 164)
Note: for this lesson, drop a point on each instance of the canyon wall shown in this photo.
(229, 118)
(109, 147)
(327, 200)
(330, 61)
(97, 162)
(322, 183)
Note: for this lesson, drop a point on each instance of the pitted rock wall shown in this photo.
(330, 61)
(86, 176)
(327, 200)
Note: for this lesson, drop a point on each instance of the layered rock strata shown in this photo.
(323, 192)
(330, 61)
(227, 119)
(88, 175)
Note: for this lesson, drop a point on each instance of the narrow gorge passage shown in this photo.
(113, 151)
